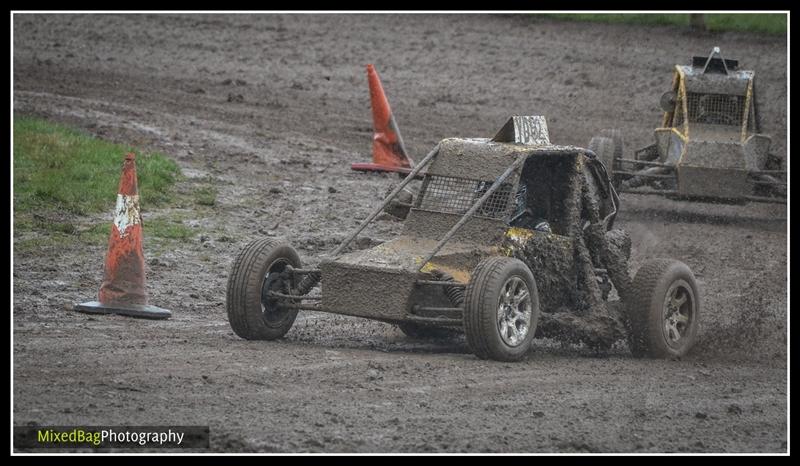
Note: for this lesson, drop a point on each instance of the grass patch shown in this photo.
(205, 195)
(97, 233)
(167, 228)
(766, 23)
(62, 175)
(61, 169)
(59, 235)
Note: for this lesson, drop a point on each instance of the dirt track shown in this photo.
(280, 156)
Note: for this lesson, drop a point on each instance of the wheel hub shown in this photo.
(274, 280)
(678, 312)
(514, 312)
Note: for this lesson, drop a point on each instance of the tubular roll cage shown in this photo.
(448, 315)
(316, 273)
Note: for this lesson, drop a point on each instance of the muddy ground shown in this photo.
(272, 110)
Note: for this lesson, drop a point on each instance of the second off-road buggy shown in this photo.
(709, 146)
(471, 258)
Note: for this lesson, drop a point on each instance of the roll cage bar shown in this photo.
(599, 171)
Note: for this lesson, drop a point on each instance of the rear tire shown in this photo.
(603, 147)
(501, 309)
(616, 136)
(663, 310)
(256, 270)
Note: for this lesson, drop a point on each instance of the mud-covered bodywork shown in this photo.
(469, 191)
(506, 238)
(710, 144)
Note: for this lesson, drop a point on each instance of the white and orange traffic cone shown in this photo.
(388, 152)
(122, 291)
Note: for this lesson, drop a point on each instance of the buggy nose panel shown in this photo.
(363, 291)
(720, 183)
(713, 169)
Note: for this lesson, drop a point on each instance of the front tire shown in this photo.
(663, 311)
(501, 309)
(258, 269)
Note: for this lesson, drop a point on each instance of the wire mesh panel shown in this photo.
(457, 195)
(716, 109)
(678, 111)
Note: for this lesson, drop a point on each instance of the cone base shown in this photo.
(374, 167)
(141, 311)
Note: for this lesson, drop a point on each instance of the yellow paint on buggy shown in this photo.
(678, 133)
(520, 235)
(682, 97)
(747, 105)
(668, 116)
(460, 275)
(679, 88)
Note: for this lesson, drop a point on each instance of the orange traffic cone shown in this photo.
(388, 152)
(122, 291)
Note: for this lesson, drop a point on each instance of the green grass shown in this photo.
(58, 168)
(61, 176)
(167, 228)
(206, 195)
(768, 23)
(57, 234)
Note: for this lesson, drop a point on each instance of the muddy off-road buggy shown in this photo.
(469, 258)
(709, 146)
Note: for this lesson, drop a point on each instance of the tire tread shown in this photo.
(641, 306)
(485, 278)
(243, 277)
